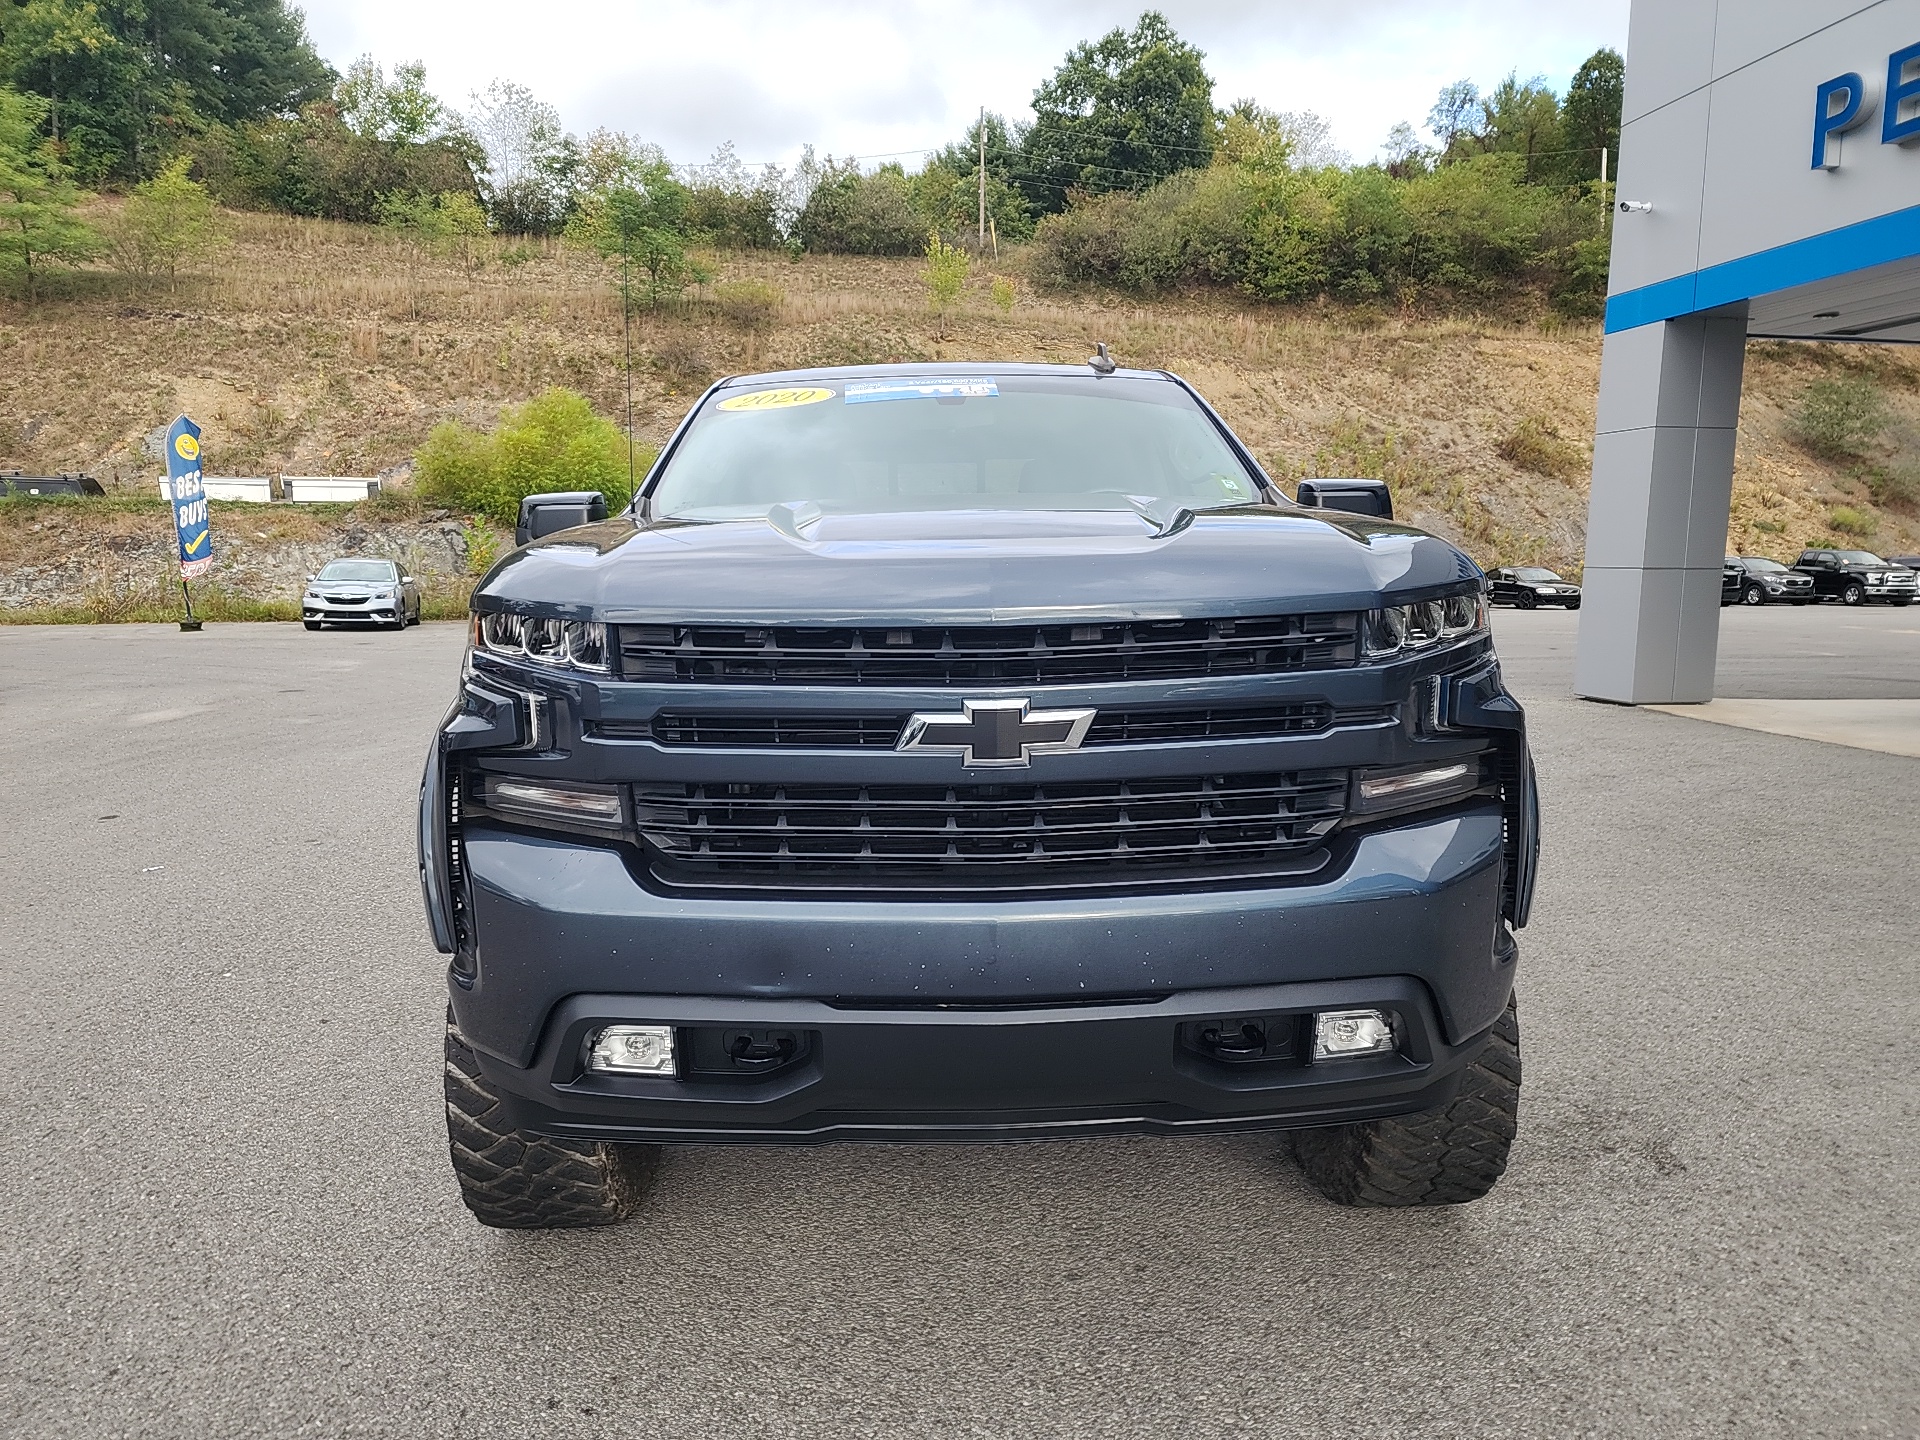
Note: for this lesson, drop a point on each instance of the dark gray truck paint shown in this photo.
(1042, 1009)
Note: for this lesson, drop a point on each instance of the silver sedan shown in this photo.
(361, 592)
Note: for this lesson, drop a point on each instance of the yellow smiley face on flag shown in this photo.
(186, 447)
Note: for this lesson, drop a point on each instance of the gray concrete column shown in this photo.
(1657, 518)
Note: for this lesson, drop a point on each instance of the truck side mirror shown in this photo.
(1360, 497)
(558, 510)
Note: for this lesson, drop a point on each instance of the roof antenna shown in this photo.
(1101, 361)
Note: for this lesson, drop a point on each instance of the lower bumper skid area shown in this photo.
(1190, 1062)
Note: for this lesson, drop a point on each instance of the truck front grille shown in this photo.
(835, 730)
(1093, 652)
(961, 836)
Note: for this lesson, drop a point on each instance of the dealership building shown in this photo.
(1769, 186)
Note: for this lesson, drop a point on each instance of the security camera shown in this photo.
(1636, 207)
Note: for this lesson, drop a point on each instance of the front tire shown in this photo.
(1526, 600)
(1753, 595)
(1854, 594)
(516, 1180)
(311, 624)
(1441, 1157)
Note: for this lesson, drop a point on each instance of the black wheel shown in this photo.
(311, 624)
(1440, 1157)
(1900, 604)
(1854, 594)
(516, 1180)
(1526, 600)
(1753, 595)
(1573, 605)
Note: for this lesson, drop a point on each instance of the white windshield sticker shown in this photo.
(865, 391)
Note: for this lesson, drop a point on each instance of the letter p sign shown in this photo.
(1842, 104)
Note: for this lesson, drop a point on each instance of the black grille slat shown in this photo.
(835, 730)
(944, 834)
(1063, 654)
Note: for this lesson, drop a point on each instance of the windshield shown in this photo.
(1762, 567)
(1536, 575)
(905, 442)
(376, 571)
(1859, 557)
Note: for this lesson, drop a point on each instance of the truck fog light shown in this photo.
(1340, 1033)
(636, 1050)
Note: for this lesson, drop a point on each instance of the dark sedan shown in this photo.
(1529, 587)
(1760, 581)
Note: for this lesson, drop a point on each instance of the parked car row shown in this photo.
(1853, 577)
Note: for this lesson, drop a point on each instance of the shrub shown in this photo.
(1899, 486)
(681, 362)
(553, 442)
(1003, 295)
(1845, 520)
(1537, 446)
(854, 214)
(166, 223)
(1838, 418)
(752, 305)
(946, 273)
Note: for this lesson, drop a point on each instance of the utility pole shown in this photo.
(982, 243)
(626, 327)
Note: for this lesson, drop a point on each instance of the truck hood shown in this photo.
(800, 564)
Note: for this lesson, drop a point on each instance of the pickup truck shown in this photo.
(1857, 577)
(984, 752)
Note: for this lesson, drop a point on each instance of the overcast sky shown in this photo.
(864, 78)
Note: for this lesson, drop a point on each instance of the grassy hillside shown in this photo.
(326, 348)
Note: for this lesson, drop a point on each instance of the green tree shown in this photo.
(642, 227)
(945, 275)
(402, 110)
(1522, 117)
(128, 80)
(38, 223)
(168, 222)
(1458, 118)
(553, 442)
(851, 212)
(1120, 113)
(1590, 119)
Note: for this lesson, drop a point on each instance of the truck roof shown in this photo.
(925, 370)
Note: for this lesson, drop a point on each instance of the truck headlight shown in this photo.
(565, 805)
(575, 644)
(1425, 785)
(1401, 629)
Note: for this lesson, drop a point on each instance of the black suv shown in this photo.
(1756, 580)
(975, 752)
(1855, 577)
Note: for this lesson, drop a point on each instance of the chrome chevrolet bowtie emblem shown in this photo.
(997, 732)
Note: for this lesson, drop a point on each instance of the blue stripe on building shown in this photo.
(1879, 241)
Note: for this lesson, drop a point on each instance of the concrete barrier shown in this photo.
(314, 489)
(255, 488)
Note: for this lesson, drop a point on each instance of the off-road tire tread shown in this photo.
(1447, 1156)
(515, 1180)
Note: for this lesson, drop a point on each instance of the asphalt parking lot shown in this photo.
(227, 1207)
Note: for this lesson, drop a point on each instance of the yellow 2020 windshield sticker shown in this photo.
(776, 399)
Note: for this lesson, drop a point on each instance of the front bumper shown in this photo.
(381, 614)
(1033, 1073)
(963, 1019)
